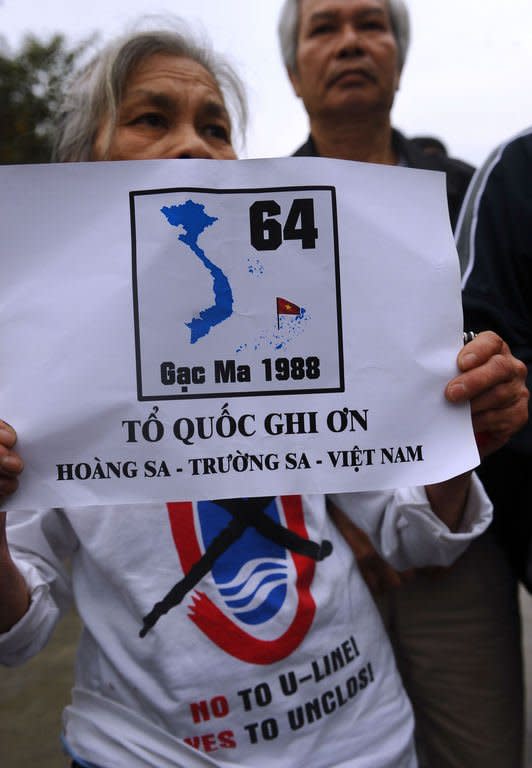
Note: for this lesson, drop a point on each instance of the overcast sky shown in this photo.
(468, 78)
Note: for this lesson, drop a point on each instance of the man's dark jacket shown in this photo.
(495, 243)
(458, 173)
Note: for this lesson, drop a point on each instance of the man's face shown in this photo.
(347, 59)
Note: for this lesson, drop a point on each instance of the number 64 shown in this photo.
(267, 233)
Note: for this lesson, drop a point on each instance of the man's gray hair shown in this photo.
(95, 93)
(288, 29)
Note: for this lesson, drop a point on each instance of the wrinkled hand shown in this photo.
(10, 462)
(493, 381)
(376, 572)
(14, 595)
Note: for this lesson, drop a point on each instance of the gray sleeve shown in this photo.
(40, 543)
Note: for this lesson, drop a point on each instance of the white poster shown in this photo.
(218, 329)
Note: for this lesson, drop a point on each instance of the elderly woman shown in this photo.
(297, 672)
(153, 94)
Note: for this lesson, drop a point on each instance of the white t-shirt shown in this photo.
(272, 658)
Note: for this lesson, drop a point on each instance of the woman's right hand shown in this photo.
(11, 464)
(14, 595)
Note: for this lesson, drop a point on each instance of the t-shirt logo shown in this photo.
(256, 603)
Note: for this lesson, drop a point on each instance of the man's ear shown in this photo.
(294, 79)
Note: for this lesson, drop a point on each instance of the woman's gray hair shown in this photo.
(95, 92)
(288, 29)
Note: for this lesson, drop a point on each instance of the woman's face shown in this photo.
(171, 108)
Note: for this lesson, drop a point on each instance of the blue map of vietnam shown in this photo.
(192, 217)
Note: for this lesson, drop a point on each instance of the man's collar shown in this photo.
(406, 154)
(308, 149)
(410, 155)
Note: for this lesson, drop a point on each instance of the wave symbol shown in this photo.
(258, 590)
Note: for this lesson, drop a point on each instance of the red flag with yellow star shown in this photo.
(285, 307)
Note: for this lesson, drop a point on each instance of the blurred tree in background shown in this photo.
(31, 85)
